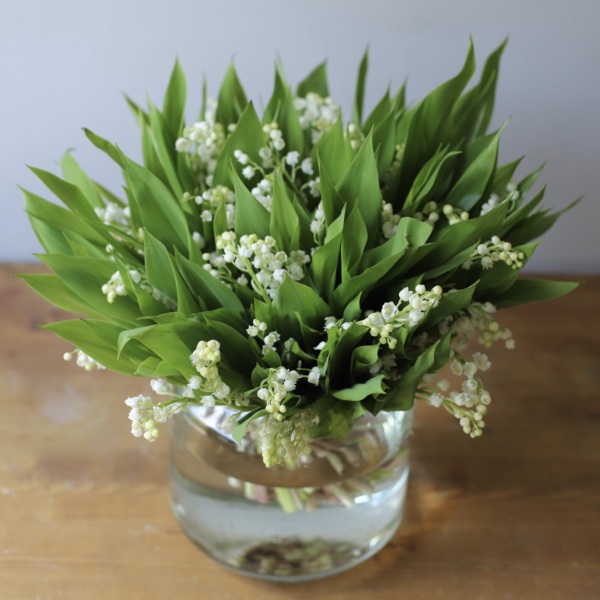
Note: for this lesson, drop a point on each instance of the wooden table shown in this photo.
(514, 515)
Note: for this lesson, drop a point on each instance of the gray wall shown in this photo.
(64, 64)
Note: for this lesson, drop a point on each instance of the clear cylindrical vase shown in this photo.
(330, 513)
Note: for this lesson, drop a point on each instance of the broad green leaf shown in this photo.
(250, 215)
(240, 428)
(473, 111)
(430, 123)
(324, 266)
(284, 223)
(535, 225)
(451, 303)
(51, 288)
(379, 113)
(315, 82)
(472, 184)
(154, 367)
(98, 339)
(160, 212)
(359, 94)
(164, 144)
(209, 291)
(427, 182)
(74, 174)
(532, 290)
(360, 391)
(409, 233)
(111, 150)
(333, 203)
(363, 282)
(174, 101)
(247, 137)
(69, 194)
(364, 357)
(338, 374)
(290, 297)
(232, 99)
(354, 240)
(159, 271)
(334, 153)
(361, 185)
(335, 418)
(402, 395)
(384, 142)
(86, 276)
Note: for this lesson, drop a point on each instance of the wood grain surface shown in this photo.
(514, 515)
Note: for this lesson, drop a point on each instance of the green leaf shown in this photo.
(284, 223)
(384, 142)
(164, 145)
(210, 292)
(248, 137)
(52, 289)
(250, 215)
(290, 297)
(360, 391)
(111, 150)
(160, 212)
(354, 240)
(159, 270)
(532, 290)
(379, 113)
(60, 220)
(473, 111)
(174, 102)
(333, 204)
(174, 342)
(359, 94)
(334, 153)
(240, 428)
(154, 367)
(430, 123)
(472, 184)
(98, 339)
(409, 233)
(364, 357)
(402, 395)
(361, 185)
(315, 82)
(232, 99)
(427, 182)
(69, 194)
(335, 418)
(85, 277)
(324, 266)
(74, 174)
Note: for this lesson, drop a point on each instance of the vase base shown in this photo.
(234, 531)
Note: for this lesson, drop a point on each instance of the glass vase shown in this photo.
(335, 510)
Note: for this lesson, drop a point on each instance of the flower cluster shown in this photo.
(203, 141)
(317, 114)
(260, 259)
(145, 415)
(469, 405)
(495, 250)
(478, 321)
(206, 358)
(408, 312)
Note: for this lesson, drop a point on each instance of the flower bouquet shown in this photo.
(286, 276)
